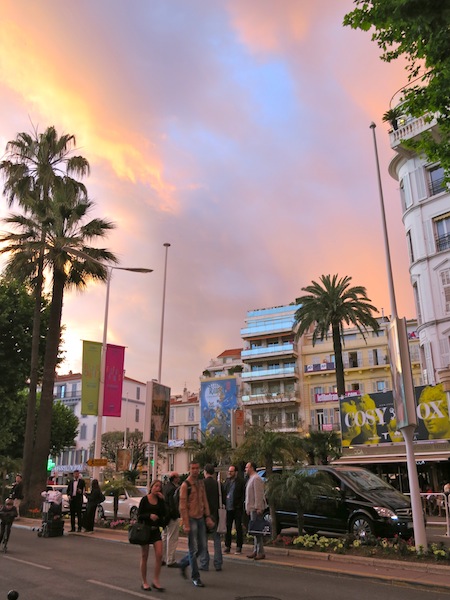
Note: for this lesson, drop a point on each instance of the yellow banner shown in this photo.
(90, 377)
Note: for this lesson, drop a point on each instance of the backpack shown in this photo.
(176, 494)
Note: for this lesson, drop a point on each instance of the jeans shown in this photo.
(218, 559)
(258, 543)
(196, 545)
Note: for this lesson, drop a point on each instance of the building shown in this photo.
(68, 391)
(425, 202)
(184, 429)
(271, 377)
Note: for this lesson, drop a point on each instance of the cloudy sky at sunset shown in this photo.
(235, 130)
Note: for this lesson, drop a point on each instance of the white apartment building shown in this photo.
(426, 216)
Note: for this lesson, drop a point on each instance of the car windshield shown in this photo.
(138, 492)
(365, 480)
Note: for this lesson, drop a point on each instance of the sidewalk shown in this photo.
(423, 575)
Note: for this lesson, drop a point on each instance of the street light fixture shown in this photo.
(110, 269)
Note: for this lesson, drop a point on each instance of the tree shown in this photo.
(64, 428)
(66, 236)
(300, 486)
(215, 450)
(33, 164)
(417, 31)
(16, 324)
(321, 446)
(112, 441)
(330, 304)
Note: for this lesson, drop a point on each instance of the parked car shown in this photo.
(65, 499)
(359, 502)
(127, 507)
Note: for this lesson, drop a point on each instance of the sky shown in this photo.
(239, 132)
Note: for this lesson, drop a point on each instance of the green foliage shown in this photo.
(321, 447)
(215, 450)
(329, 305)
(112, 441)
(418, 32)
(64, 428)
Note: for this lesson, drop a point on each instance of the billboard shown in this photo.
(156, 427)
(218, 397)
(371, 419)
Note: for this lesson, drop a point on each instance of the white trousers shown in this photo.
(170, 540)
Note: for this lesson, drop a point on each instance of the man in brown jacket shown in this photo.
(194, 510)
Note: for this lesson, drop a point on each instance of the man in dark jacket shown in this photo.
(17, 493)
(75, 493)
(234, 495)
(212, 494)
(171, 531)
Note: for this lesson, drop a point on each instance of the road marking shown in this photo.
(115, 587)
(26, 562)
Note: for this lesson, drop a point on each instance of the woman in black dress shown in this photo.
(94, 499)
(152, 511)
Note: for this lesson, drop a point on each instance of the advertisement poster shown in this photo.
(112, 396)
(370, 418)
(218, 398)
(158, 399)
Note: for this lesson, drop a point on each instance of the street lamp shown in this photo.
(402, 379)
(110, 269)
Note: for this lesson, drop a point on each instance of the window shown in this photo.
(352, 359)
(136, 415)
(171, 461)
(436, 180)
(258, 417)
(191, 414)
(192, 433)
(381, 386)
(355, 387)
(138, 393)
(274, 387)
(410, 246)
(405, 192)
(172, 415)
(445, 279)
(273, 366)
(442, 232)
(83, 431)
(291, 418)
(173, 433)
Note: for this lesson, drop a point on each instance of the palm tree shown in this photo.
(33, 163)
(65, 230)
(321, 446)
(330, 304)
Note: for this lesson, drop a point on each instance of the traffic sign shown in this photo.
(97, 462)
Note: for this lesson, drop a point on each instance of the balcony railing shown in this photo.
(270, 398)
(60, 395)
(443, 242)
(268, 351)
(436, 186)
(269, 326)
(270, 373)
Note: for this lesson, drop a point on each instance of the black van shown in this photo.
(359, 502)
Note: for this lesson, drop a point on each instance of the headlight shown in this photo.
(386, 513)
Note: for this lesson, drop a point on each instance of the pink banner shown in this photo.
(112, 398)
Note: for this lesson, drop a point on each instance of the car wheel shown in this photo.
(361, 527)
(133, 513)
(100, 513)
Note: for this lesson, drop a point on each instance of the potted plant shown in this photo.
(392, 115)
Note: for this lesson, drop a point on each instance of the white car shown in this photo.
(128, 504)
(65, 508)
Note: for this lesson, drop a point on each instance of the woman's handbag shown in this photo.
(139, 533)
(222, 522)
(259, 527)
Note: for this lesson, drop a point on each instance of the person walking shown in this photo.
(95, 497)
(194, 511)
(17, 494)
(255, 504)
(153, 512)
(212, 495)
(75, 492)
(171, 531)
(234, 493)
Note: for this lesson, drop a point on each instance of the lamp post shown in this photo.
(402, 380)
(98, 431)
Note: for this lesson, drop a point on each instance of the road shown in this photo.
(74, 567)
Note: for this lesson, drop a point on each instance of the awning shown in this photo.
(392, 458)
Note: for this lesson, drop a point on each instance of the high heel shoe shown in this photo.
(149, 589)
(158, 588)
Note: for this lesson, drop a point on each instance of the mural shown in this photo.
(371, 419)
(218, 398)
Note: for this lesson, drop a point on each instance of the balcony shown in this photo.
(275, 350)
(279, 372)
(62, 395)
(412, 128)
(261, 328)
(282, 398)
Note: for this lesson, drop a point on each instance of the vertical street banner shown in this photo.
(112, 397)
(158, 408)
(90, 377)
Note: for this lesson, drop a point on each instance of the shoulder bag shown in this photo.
(259, 527)
(222, 522)
(139, 533)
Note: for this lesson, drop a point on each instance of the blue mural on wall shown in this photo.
(218, 397)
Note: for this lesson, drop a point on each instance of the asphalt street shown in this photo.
(75, 566)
